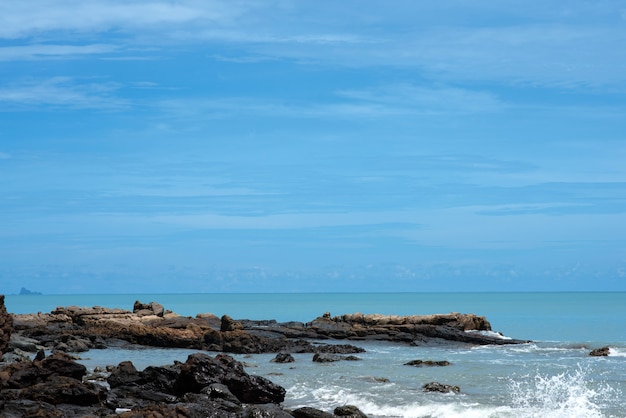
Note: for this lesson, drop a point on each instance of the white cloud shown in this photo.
(25, 19)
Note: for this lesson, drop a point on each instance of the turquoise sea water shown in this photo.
(552, 377)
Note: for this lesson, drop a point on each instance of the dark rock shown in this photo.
(65, 390)
(349, 411)
(308, 412)
(325, 358)
(6, 327)
(229, 324)
(328, 358)
(600, 352)
(266, 411)
(220, 391)
(146, 309)
(283, 358)
(440, 387)
(124, 374)
(339, 349)
(201, 370)
(23, 343)
(420, 363)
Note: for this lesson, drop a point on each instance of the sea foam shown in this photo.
(570, 394)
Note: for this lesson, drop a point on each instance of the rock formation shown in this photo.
(6, 327)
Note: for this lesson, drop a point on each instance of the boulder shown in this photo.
(600, 352)
(440, 387)
(283, 358)
(6, 327)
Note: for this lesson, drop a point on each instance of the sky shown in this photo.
(312, 146)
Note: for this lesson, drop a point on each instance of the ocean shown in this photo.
(553, 376)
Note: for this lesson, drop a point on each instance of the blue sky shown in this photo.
(238, 146)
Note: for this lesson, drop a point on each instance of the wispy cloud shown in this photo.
(36, 17)
(427, 99)
(43, 51)
(61, 92)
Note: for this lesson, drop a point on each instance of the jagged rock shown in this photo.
(440, 387)
(229, 324)
(6, 327)
(283, 358)
(420, 363)
(349, 411)
(308, 412)
(600, 352)
(201, 370)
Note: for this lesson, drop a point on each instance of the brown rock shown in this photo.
(6, 327)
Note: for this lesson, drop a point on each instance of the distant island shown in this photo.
(25, 291)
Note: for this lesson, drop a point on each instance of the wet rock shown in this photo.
(325, 358)
(440, 387)
(283, 358)
(329, 358)
(600, 352)
(349, 411)
(308, 412)
(420, 363)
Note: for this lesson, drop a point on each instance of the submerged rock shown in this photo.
(420, 363)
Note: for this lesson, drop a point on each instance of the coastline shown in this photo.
(381, 375)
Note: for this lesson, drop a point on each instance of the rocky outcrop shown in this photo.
(202, 386)
(6, 327)
(76, 329)
(413, 329)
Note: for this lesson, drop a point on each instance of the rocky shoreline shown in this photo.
(204, 386)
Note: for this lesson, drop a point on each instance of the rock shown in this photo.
(349, 411)
(30, 345)
(328, 358)
(308, 412)
(600, 352)
(325, 358)
(439, 387)
(229, 324)
(65, 390)
(147, 309)
(283, 358)
(6, 327)
(124, 374)
(420, 363)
